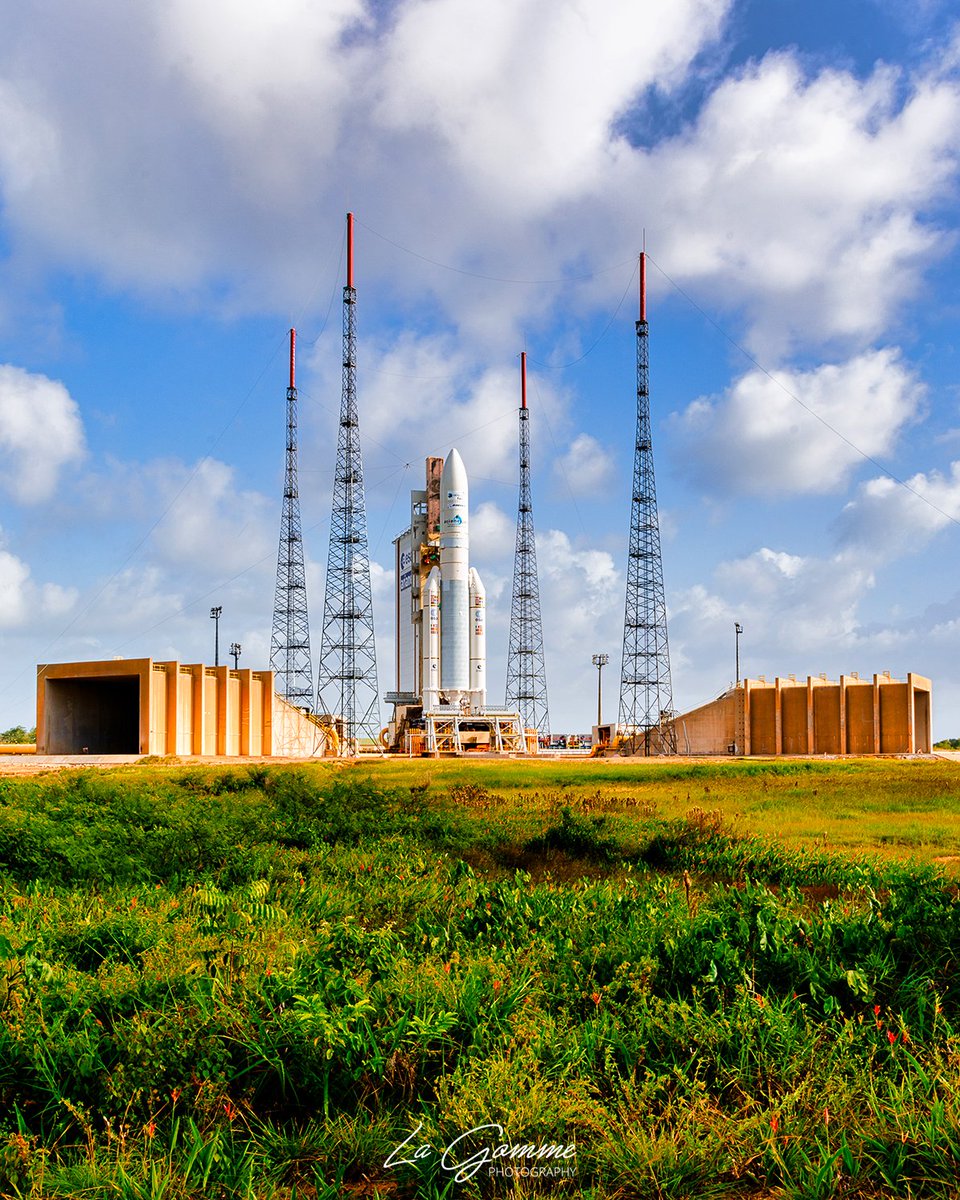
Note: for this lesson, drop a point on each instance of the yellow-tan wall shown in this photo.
(138, 706)
(815, 716)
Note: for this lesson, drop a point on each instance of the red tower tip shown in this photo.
(293, 358)
(643, 286)
(349, 250)
(523, 379)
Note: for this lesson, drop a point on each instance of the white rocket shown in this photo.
(459, 648)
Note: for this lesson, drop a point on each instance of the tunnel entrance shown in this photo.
(93, 716)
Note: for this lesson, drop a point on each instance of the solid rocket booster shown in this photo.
(478, 637)
(454, 577)
(431, 639)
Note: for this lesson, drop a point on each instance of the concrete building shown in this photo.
(815, 716)
(138, 706)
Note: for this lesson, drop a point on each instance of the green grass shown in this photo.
(261, 981)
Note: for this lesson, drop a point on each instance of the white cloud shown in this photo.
(855, 408)
(522, 95)
(22, 601)
(40, 433)
(14, 575)
(886, 519)
(211, 525)
(587, 468)
(492, 535)
(582, 592)
(803, 199)
(426, 395)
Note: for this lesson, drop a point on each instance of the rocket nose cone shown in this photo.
(454, 476)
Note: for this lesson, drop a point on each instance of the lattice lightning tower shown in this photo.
(347, 681)
(290, 641)
(526, 676)
(646, 696)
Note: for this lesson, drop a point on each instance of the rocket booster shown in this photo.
(431, 638)
(454, 577)
(478, 637)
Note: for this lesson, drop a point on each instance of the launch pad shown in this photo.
(440, 701)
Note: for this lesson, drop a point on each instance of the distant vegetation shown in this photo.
(18, 736)
(947, 744)
(259, 981)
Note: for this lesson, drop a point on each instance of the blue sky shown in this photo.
(173, 185)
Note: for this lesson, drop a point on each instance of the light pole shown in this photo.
(739, 629)
(235, 650)
(600, 661)
(215, 617)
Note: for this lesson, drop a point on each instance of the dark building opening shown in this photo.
(93, 716)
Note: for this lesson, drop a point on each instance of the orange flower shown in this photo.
(497, 985)
(774, 1122)
(595, 997)
(150, 1128)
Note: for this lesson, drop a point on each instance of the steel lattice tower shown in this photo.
(290, 641)
(526, 675)
(646, 696)
(347, 681)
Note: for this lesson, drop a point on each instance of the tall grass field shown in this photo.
(406, 979)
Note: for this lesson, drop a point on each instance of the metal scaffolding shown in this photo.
(347, 681)
(526, 675)
(290, 640)
(646, 696)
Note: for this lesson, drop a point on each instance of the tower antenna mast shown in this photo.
(646, 696)
(526, 676)
(290, 640)
(347, 679)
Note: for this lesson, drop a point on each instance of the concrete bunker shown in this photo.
(138, 706)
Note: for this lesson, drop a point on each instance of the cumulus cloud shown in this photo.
(581, 590)
(532, 128)
(783, 447)
(22, 600)
(13, 578)
(211, 524)
(804, 198)
(586, 468)
(886, 519)
(425, 395)
(492, 534)
(40, 433)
